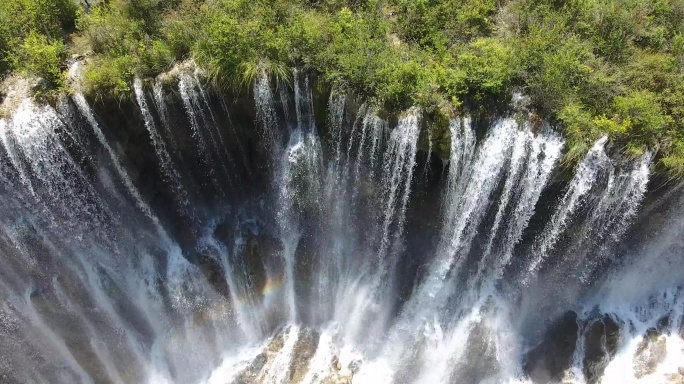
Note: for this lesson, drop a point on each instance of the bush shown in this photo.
(180, 26)
(489, 67)
(581, 130)
(107, 77)
(35, 30)
(239, 35)
(128, 39)
(593, 67)
(437, 24)
(38, 56)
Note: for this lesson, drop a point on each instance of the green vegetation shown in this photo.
(593, 67)
(33, 37)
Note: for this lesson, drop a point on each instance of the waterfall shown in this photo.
(87, 112)
(159, 146)
(266, 114)
(471, 181)
(186, 86)
(515, 168)
(398, 165)
(80, 281)
(361, 306)
(31, 140)
(372, 130)
(210, 242)
(207, 132)
(337, 104)
(615, 208)
(587, 173)
(481, 177)
(462, 151)
(530, 177)
(428, 157)
(297, 171)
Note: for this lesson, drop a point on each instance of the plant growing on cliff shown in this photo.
(127, 38)
(39, 56)
(32, 39)
(592, 67)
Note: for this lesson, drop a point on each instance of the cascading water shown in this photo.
(587, 173)
(253, 240)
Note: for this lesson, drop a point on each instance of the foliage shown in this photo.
(107, 77)
(437, 24)
(32, 37)
(489, 67)
(37, 55)
(606, 67)
(128, 38)
(592, 67)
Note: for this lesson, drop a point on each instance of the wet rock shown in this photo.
(354, 366)
(548, 361)
(650, 353)
(479, 363)
(663, 323)
(335, 363)
(258, 371)
(212, 269)
(340, 375)
(171, 76)
(14, 90)
(255, 370)
(259, 361)
(276, 343)
(344, 377)
(437, 122)
(304, 350)
(601, 340)
(250, 374)
(675, 378)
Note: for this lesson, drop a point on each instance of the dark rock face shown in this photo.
(601, 338)
(251, 248)
(546, 362)
(305, 268)
(212, 269)
(259, 250)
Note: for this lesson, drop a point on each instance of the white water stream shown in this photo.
(326, 271)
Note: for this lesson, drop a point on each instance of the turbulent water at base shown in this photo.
(317, 242)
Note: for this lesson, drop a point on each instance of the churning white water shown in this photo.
(312, 243)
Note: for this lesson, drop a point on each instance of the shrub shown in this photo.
(38, 56)
(593, 67)
(107, 77)
(489, 67)
(34, 30)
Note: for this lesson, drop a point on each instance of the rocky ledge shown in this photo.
(297, 355)
(599, 335)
